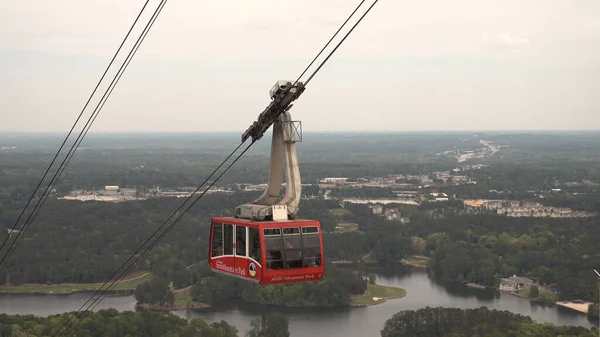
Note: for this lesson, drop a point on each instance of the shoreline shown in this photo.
(124, 287)
(578, 307)
(120, 292)
(416, 261)
(479, 286)
(359, 305)
(171, 308)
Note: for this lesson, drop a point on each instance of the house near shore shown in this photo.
(515, 283)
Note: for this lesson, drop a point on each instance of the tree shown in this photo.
(270, 325)
(534, 291)
(593, 312)
(418, 244)
(372, 278)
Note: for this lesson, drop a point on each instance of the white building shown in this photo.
(377, 209)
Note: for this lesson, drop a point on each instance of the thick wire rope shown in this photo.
(100, 105)
(88, 125)
(67, 137)
(338, 45)
(328, 42)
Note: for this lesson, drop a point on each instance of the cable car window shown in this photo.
(273, 248)
(291, 238)
(312, 247)
(227, 239)
(254, 244)
(293, 258)
(312, 229)
(312, 257)
(310, 237)
(240, 240)
(217, 239)
(293, 247)
(272, 231)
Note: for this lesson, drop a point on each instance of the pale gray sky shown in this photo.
(208, 65)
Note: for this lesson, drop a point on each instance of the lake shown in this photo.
(421, 289)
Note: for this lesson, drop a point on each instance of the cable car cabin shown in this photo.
(267, 252)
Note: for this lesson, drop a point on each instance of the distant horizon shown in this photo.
(311, 131)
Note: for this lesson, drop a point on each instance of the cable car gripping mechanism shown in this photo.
(282, 95)
(271, 206)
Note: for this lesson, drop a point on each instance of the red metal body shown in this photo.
(267, 252)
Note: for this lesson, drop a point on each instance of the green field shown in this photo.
(129, 283)
(183, 298)
(381, 293)
(340, 211)
(346, 227)
(417, 261)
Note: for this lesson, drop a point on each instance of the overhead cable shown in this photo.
(61, 147)
(328, 42)
(339, 43)
(99, 106)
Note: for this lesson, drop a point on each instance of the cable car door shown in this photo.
(239, 240)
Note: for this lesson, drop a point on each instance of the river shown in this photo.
(421, 290)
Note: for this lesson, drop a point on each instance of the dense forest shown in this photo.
(443, 322)
(143, 323)
(452, 322)
(111, 323)
(86, 242)
(185, 160)
(482, 248)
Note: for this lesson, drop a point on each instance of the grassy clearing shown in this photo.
(184, 299)
(346, 227)
(416, 261)
(340, 211)
(377, 294)
(129, 283)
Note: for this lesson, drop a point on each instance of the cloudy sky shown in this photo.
(208, 65)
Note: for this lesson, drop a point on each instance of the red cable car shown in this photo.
(267, 252)
(264, 242)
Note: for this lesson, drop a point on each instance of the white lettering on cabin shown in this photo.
(223, 266)
(240, 271)
(292, 278)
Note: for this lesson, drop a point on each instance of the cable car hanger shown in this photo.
(264, 242)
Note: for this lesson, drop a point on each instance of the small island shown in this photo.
(339, 287)
(376, 294)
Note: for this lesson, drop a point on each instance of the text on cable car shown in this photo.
(234, 270)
